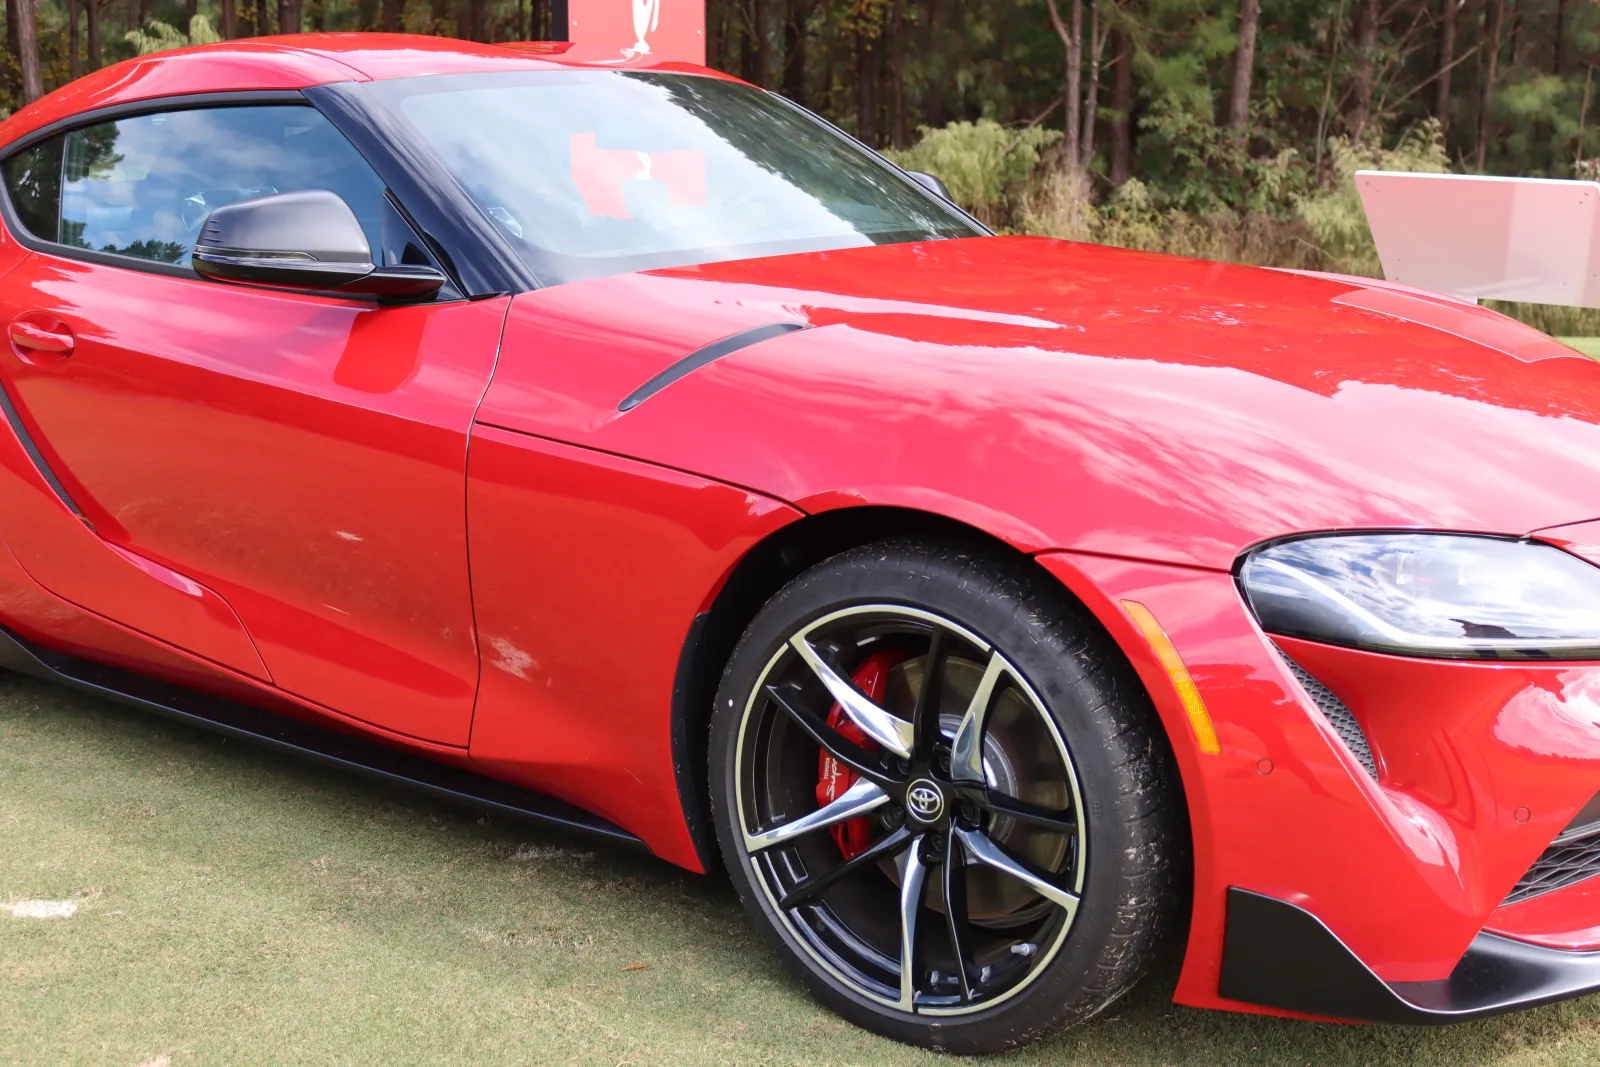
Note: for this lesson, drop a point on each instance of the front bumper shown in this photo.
(1402, 856)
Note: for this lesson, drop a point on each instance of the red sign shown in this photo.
(602, 176)
(663, 29)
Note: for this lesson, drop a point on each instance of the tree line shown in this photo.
(1192, 95)
(1210, 104)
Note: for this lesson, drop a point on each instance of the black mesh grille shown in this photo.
(1339, 717)
(1559, 867)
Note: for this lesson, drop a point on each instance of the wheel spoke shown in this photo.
(911, 882)
(966, 754)
(859, 799)
(890, 731)
(925, 714)
(1000, 804)
(833, 706)
(955, 910)
(843, 749)
(878, 850)
(986, 852)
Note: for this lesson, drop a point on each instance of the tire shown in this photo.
(1058, 772)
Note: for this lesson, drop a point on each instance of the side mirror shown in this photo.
(932, 184)
(303, 240)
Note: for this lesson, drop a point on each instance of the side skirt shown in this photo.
(328, 747)
(1281, 956)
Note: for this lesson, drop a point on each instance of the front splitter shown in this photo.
(1279, 955)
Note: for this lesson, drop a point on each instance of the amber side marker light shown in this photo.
(1205, 734)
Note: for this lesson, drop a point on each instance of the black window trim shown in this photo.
(112, 113)
(467, 241)
(150, 106)
(459, 258)
(464, 241)
(372, 122)
(883, 161)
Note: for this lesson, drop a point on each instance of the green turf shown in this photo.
(1589, 346)
(239, 907)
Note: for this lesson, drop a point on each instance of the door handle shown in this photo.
(31, 335)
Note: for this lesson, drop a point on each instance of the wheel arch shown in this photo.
(761, 572)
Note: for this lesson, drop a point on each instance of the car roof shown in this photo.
(298, 61)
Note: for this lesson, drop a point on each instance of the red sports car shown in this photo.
(617, 445)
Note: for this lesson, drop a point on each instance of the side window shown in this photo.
(34, 180)
(143, 186)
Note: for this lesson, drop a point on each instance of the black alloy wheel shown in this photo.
(904, 744)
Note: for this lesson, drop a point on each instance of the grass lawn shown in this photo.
(1589, 346)
(238, 907)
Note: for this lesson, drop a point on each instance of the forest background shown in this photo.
(1221, 128)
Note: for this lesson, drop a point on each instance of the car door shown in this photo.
(297, 458)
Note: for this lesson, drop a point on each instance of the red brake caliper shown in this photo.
(853, 835)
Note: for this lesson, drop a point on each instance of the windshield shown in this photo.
(603, 172)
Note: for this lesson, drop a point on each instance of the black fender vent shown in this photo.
(708, 354)
(1339, 717)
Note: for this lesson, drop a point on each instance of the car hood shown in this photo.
(1064, 395)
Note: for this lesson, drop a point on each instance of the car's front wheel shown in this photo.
(942, 794)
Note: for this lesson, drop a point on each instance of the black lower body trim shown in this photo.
(328, 747)
(34, 454)
(1281, 956)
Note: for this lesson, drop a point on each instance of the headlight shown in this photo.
(1445, 595)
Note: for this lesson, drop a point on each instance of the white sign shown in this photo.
(1529, 239)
